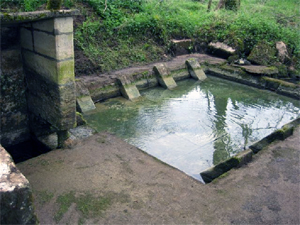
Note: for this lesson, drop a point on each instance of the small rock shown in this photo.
(220, 49)
(282, 52)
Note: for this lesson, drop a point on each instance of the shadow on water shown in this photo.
(196, 125)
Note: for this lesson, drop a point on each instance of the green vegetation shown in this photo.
(87, 204)
(126, 32)
(44, 197)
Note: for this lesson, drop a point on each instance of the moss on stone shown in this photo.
(280, 82)
(262, 54)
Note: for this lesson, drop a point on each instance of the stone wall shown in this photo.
(14, 117)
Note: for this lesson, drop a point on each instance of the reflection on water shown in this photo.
(196, 125)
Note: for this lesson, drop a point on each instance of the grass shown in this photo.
(127, 33)
(87, 204)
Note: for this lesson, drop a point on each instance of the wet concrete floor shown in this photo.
(104, 180)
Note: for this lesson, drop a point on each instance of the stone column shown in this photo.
(48, 56)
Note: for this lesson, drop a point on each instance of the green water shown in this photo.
(197, 125)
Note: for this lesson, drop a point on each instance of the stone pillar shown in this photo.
(48, 57)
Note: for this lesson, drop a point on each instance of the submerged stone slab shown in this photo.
(15, 193)
(84, 101)
(164, 76)
(128, 88)
(195, 69)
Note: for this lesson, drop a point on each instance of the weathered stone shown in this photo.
(62, 136)
(23, 17)
(59, 72)
(181, 47)
(282, 53)
(260, 70)
(84, 101)
(244, 157)
(63, 25)
(49, 140)
(82, 132)
(220, 49)
(13, 110)
(15, 193)
(26, 39)
(281, 134)
(164, 77)
(80, 121)
(85, 104)
(128, 88)
(212, 173)
(58, 47)
(262, 54)
(54, 103)
(195, 69)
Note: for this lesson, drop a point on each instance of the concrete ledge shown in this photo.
(281, 134)
(240, 159)
(23, 17)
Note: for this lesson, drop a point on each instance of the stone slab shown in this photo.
(128, 88)
(23, 17)
(195, 69)
(164, 77)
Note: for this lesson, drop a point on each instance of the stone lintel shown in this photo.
(195, 69)
(164, 76)
(24, 17)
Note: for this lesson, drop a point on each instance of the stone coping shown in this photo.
(24, 17)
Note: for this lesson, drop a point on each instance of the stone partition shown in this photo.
(45, 51)
(48, 55)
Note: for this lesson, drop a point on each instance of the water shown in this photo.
(197, 125)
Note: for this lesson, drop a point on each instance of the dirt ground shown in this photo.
(104, 180)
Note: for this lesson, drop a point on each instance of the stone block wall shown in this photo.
(13, 104)
(48, 56)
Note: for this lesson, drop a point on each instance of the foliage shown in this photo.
(126, 32)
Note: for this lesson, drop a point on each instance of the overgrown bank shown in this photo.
(122, 33)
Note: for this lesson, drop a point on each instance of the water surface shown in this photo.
(196, 125)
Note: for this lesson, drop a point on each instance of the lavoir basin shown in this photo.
(196, 125)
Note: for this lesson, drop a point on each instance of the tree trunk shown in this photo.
(209, 5)
(229, 4)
